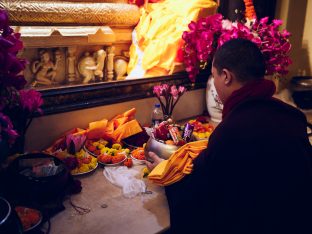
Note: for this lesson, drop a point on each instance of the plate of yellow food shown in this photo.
(94, 147)
(113, 156)
(79, 163)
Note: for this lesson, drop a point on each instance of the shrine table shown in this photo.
(110, 211)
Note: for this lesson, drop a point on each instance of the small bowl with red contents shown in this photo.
(30, 218)
(138, 155)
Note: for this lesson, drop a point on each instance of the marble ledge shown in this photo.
(62, 36)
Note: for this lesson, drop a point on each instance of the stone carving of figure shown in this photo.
(89, 67)
(86, 68)
(44, 69)
(100, 58)
(120, 68)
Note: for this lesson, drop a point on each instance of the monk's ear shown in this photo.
(227, 76)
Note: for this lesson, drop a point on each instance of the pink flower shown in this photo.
(31, 100)
(157, 90)
(74, 143)
(174, 92)
(209, 33)
(168, 96)
(164, 90)
(182, 90)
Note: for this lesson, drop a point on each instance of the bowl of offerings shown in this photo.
(160, 148)
(167, 138)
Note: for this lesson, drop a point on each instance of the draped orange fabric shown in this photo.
(159, 32)
(119, 127)
(178, 165)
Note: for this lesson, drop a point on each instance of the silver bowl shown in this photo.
(162, 150)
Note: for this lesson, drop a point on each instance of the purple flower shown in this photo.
(4, 20)
(74, 143)
(30, 100)
(16, 104)
(6, 129)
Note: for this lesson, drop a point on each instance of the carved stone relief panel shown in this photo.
(63, 55)
(46, 67)
(59, 66)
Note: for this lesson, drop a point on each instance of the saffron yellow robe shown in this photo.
(159, 33)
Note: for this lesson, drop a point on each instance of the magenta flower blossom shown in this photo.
(74, 143)
(168, 97)
(31, 100)
(174, 92)
(6, 129)
(16, 104)
(157, 90)
(208, 34)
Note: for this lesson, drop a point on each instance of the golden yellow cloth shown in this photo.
(159, 32)
(178, 165)
(119, 127)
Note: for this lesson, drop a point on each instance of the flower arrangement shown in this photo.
(208, 34)
(168, 97)
(16, 103)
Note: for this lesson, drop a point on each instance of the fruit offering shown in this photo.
(128, 162)
(138, 153)
(95, 146)
(202, 130)
(169, 133)
(79, 163)
(86, 163)
(113, 155)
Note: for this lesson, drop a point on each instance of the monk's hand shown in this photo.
(155, 160)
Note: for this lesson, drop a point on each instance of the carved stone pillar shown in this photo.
(110, 62)
(71, 64)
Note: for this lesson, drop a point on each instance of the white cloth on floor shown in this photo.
(125, 178)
